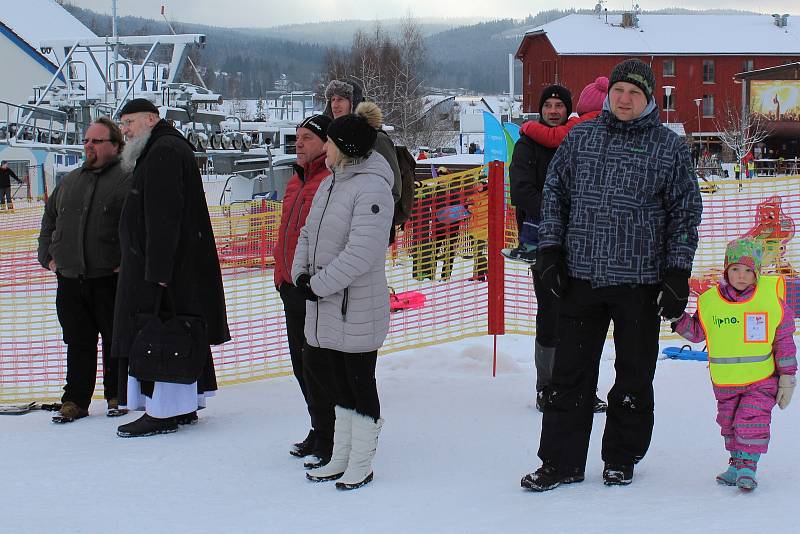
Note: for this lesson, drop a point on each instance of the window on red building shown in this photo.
(548, 72)
(669, 67)
(708, 105)
(748, 65)
(708, 71)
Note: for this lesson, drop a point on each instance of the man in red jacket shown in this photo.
(310, 170)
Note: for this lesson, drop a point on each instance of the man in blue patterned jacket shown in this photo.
(617, 240)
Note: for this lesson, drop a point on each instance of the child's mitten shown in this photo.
(785, 389)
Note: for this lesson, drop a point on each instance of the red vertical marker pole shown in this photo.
(496, 277)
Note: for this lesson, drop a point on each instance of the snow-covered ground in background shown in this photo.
(454, 447)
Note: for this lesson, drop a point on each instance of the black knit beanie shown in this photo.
(352, 135)
(556, 91)
(318, 124)
(138, 105)
(636, 72)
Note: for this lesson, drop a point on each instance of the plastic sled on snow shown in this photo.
(405, 300)
(16, 409)
(685, 353)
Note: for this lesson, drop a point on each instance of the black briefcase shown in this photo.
(171, 348)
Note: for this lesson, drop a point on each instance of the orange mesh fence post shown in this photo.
(496, 296)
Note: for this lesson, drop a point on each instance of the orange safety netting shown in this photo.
(448, 278)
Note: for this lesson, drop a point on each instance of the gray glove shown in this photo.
(785, 389)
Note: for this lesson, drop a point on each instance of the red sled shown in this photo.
(407, 300)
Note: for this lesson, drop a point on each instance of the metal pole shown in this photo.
(115, 57)
(510, 85)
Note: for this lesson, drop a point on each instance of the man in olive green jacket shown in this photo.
(79, 242)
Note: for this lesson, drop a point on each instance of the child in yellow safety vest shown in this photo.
(749, 332)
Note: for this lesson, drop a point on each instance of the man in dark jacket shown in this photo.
(527, 174)
(616, 243)
(168, 256)
(6, 174)
(310, 170)
(79, 242)
(343, 98)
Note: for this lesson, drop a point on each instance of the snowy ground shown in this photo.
(455, 444)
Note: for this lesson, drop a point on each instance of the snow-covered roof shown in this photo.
(672, 35)
(35, 21)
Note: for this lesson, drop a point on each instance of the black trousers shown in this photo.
(349, 378)
(318, 401)
(583, 325)
(85, 309)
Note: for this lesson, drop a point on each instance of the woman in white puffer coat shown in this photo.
(340, 264)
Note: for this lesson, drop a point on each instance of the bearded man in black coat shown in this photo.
(168, 256)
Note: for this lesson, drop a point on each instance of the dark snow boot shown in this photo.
(113, 409)
(304, 448)
(548, 477)
(148, 426)
(617, 474)
(315, 462)
(599, 405)
(69, 413)
(187, 418)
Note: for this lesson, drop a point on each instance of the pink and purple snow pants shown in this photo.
(744, 414)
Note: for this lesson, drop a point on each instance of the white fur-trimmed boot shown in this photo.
(365, 443)
(342, 438)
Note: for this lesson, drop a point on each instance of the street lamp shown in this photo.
(697, 102)
(668, 92)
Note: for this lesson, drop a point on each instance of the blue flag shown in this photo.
(513, 130)
(494, 139)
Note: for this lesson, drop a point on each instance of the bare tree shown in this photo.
(741, 132)
(389, 70)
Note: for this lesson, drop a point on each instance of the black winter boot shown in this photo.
(187, 418)
(599, 405)
(305, 447)
(548, 477)
(147, 426)
(617, 474)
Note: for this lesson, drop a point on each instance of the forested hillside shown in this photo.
(245, 62)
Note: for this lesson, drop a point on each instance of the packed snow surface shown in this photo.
(454, 446)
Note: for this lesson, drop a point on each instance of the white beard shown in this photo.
(132, 151)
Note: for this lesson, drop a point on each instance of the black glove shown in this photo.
(551, 265)
(674, 294)
(304, 286)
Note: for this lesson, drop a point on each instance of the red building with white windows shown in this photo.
(696, 55)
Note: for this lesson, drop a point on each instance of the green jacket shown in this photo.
(80, 225)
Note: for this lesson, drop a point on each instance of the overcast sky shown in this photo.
(263, 13)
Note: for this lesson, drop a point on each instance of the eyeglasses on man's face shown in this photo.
(95, 141)
(126, 123)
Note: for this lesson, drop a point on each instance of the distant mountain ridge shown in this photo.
(245, 62)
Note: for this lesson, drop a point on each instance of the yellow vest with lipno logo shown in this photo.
(739, 335)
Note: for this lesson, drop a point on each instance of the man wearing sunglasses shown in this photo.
(79, 242)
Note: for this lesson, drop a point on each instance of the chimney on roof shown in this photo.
(627, 20)
(630, 19)
(780, 21)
